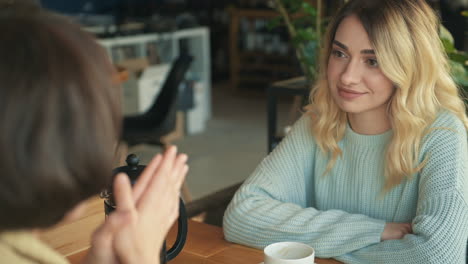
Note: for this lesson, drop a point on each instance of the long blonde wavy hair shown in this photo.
(404, 35)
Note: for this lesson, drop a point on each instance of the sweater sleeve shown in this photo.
(276, 204)
(440, 228)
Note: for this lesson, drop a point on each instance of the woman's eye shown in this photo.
(372, 62)
(338, 54)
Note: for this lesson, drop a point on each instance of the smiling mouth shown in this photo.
(349, 94)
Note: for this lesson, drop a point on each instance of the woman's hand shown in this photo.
(396, 231)
(135, 231)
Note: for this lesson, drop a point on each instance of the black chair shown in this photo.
(160, 119)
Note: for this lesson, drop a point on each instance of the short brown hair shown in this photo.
(59, 117)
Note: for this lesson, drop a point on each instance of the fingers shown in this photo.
(102, 236)
(180, 170)
(168, 160)
(182, 175)
(101, 242)
(123, 193)
(145, 177)
(166, 182)
(396, 231)
(156, 196)
(160, 180)
(405, 228)
(408, 228)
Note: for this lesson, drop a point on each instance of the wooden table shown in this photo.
(205, 243)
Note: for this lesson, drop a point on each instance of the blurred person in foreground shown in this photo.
(60, 122)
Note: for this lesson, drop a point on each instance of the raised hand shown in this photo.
(135, 231)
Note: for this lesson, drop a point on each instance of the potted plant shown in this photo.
(305, 27)
(458, 59)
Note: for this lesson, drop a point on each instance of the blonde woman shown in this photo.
(376, 169)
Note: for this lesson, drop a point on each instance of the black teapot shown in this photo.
(133, 170)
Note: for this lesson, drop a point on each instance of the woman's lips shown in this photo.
(349, 94)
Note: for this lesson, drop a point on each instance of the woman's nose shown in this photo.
(351, 74)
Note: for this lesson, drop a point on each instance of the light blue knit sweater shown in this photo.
(342, 215)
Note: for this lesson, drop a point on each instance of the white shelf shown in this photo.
(198, 41)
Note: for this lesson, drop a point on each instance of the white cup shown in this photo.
(289, 253)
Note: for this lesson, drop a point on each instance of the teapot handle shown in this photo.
(181, 233)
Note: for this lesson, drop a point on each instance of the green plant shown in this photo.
(305, 26)
(458, 59)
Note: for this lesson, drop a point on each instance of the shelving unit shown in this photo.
(257, 57)
(169, 45)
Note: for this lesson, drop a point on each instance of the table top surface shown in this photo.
(206, 245)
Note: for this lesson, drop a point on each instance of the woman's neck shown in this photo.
(369, 123)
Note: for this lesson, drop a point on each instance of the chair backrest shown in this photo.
(165, 105)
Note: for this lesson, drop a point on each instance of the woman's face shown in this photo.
(355, 80)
